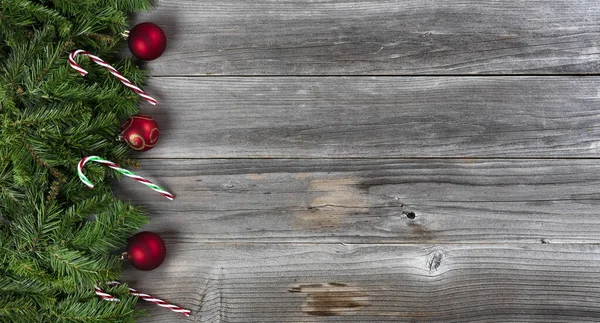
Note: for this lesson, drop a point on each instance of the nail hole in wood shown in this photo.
(411, 215)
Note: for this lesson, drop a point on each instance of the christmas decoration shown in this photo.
(140, 132)
(146, 250)
(123, 171)
(147, 41)
(112, 71)
(58, 240)
(145, 297)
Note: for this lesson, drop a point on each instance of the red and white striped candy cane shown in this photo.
(112, 71)
(145, 297)
(105, 296)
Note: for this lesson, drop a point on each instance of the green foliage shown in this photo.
(58, 238)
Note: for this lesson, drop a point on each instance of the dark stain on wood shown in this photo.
(421, 232)
(337, 284)
(331, 299)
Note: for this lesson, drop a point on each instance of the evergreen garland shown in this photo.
(57, 237)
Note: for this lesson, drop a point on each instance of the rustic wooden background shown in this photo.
(375, 160)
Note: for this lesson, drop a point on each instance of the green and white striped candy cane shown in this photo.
(123, 171)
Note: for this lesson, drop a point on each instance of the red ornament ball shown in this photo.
(140, 132)
(146, 250)
(147, 41)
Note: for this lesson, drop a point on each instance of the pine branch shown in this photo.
(58, 238)
(84, 268)
(17, 309)
(109, 230)
(95, 310)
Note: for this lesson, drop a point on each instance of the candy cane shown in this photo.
(105, 296)
(112, 71)
(123, 171)
(145, 297)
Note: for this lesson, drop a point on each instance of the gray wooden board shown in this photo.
(312, 117)
(293, 191)
(374, 283)
(343, 37)
(368, 200)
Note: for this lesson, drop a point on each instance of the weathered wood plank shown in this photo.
(333, 37)
(374, 283)
(376, 117)
(369, 200)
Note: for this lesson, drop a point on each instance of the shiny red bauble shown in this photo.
(146, 250)
(140, 132)
(147, 41)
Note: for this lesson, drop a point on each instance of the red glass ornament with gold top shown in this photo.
(140, 132)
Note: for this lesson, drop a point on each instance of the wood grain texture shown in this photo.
(374, 283)
(315, 193)
(376, 117)
(369, 200)
(347, 37)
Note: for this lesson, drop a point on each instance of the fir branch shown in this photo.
(59, 178)
(57, 239)
(109, 230)
(17, 309)
(95, 310)
(85, 269)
